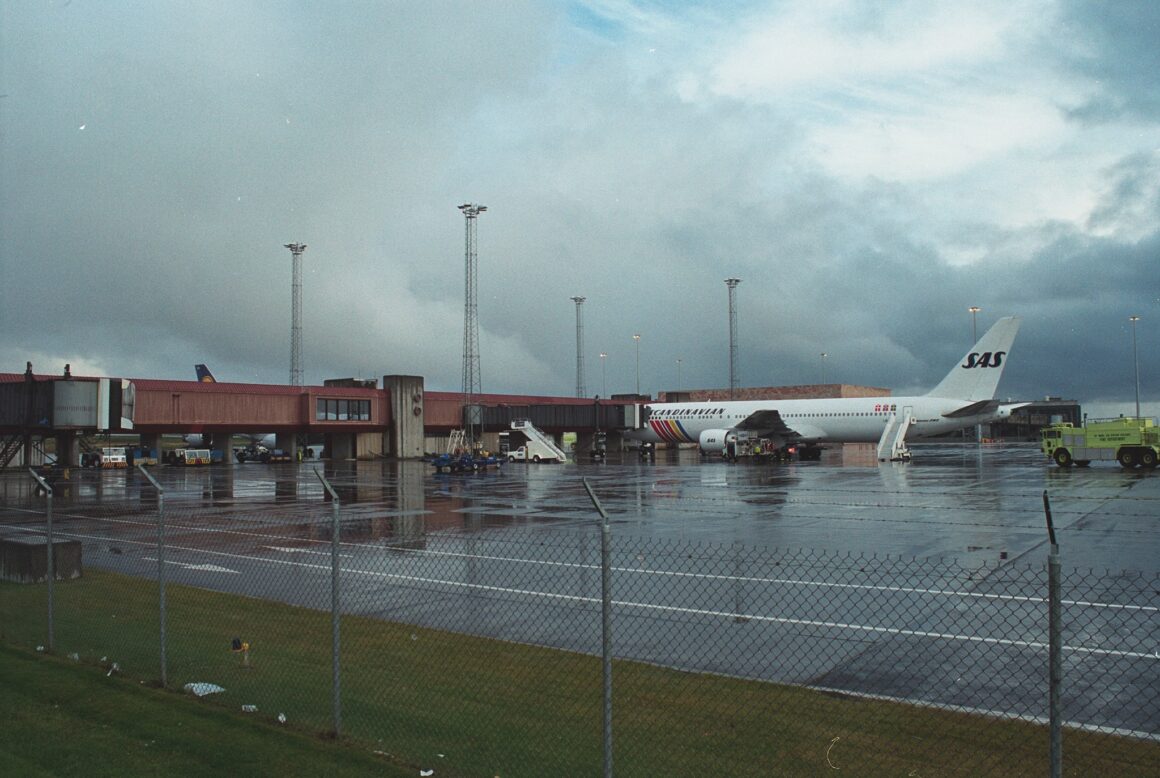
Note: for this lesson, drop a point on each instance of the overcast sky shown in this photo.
(868, 169)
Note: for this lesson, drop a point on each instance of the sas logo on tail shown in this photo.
(986, 359)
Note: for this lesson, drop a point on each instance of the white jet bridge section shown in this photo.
(539, 436)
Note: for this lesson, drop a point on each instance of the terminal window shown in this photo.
(342, 410)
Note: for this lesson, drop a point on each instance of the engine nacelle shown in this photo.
(713, 441)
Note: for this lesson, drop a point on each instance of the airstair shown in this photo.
(539, 436)
(9, 448)
(892, 444)
(12, 450)
(457, 443)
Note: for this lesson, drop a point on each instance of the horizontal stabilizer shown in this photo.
(974, 409)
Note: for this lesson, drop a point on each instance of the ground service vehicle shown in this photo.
(114, 457)
(108, 457)
(540, 446)
(464, 463)
(192, 456)
(142, 455)
(534, 451)
(259, 453)
(1133, 442)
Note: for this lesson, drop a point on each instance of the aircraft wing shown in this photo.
(974, 409)
(770, 424)
(766, 423)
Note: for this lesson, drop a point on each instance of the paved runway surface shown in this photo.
(922, 581)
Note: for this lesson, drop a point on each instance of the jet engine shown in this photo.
(712, 441)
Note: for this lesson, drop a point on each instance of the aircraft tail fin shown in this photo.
(204, 375)
(976, 376)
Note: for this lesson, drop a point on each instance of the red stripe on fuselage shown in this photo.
(670, 431)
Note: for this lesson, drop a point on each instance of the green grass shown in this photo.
(470, 706)
(64, 718)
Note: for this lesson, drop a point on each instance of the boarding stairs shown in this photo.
(892, 444)
(457, 443)
(9, 448)
(12, 450)
(533, 433)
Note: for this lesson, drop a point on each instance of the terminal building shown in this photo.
(66, 415)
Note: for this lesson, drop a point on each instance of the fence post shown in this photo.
(163, 637)
(1055, 641)
(738, 604)
(51, 566)
(605, 623)
(335, 651)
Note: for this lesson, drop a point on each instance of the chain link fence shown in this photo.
(486, 650)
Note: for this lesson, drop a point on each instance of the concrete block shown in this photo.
(23, 559)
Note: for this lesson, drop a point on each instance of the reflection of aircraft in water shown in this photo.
(964, 398)
(255, 441)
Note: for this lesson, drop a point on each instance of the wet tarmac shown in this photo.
(903, 580)
(963, 502)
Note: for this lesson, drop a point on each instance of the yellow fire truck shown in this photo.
(1131, 441)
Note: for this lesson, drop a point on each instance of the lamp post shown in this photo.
(732, 283)
(636, 337)
(1136, 362)
(603, 376)
(580, 391)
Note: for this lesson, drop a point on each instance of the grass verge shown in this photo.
(65, 718)
(470, 706)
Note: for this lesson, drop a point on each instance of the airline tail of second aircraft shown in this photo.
(204, 375)
(977, 375)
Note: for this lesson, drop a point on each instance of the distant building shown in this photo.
(353, 383)
(1025, 422)
(802, 392)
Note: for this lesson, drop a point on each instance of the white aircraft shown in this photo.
(963, 399)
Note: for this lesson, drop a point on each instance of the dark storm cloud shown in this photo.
(155, 161)
(1115, 43)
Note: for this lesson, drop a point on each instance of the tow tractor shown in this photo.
(259, 453)
(1131, 441)
(461, 459)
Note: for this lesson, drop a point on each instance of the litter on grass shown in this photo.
(202, 689)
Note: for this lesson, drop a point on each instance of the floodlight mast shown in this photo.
(732, 284)
(296, 250)
(472, 381)
(580, 389)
